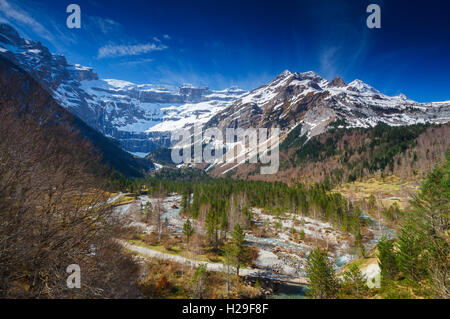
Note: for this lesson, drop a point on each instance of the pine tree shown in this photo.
(322, 277)
(387, 260)
(239, 252)
(185, 202)
(431, 211)
(195, 207)
(212, 227)
(188, 231)
(302, 235)
(356, 220)
(355, 283)
(410, 247)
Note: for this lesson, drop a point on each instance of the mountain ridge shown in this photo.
(294, 98)
(22, 91)
(142, 116)
(137, 115)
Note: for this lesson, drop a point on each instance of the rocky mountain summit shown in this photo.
(139, 116)
(310, 100)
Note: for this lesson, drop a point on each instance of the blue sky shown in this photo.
(248, 42)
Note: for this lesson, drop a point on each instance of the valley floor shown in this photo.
(283, 241)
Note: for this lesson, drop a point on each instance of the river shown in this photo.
(268, 260)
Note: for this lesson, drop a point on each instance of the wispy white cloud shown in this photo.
(136, 62)
(105, 25)
(112, 50)
(166, 37)
(341, 58)
(18, 15)
(328, 62)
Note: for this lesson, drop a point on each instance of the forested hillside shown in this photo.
(344, 155)
(414, 265)
(417, 263)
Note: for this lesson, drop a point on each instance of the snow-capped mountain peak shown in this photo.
(311, 101)
(141, 116)
(337, 82)
(9, 35)
(309, 75)
(361, 87)
(285, 73)
(138, 115)
(402, 96)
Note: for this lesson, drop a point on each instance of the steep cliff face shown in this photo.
(138, 116)
(22, 93)
(141, 116)
(305, 105)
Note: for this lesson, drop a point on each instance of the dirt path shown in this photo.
(249, 272)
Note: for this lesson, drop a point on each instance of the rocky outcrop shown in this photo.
(141, 116)
(138, 116)
(308, 99)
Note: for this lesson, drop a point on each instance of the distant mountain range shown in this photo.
(21, 93)
(140, 117)
(315, 103)
(136, 115)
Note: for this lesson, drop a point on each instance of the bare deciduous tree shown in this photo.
(52, 207)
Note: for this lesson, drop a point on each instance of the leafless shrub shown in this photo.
(52, 211)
